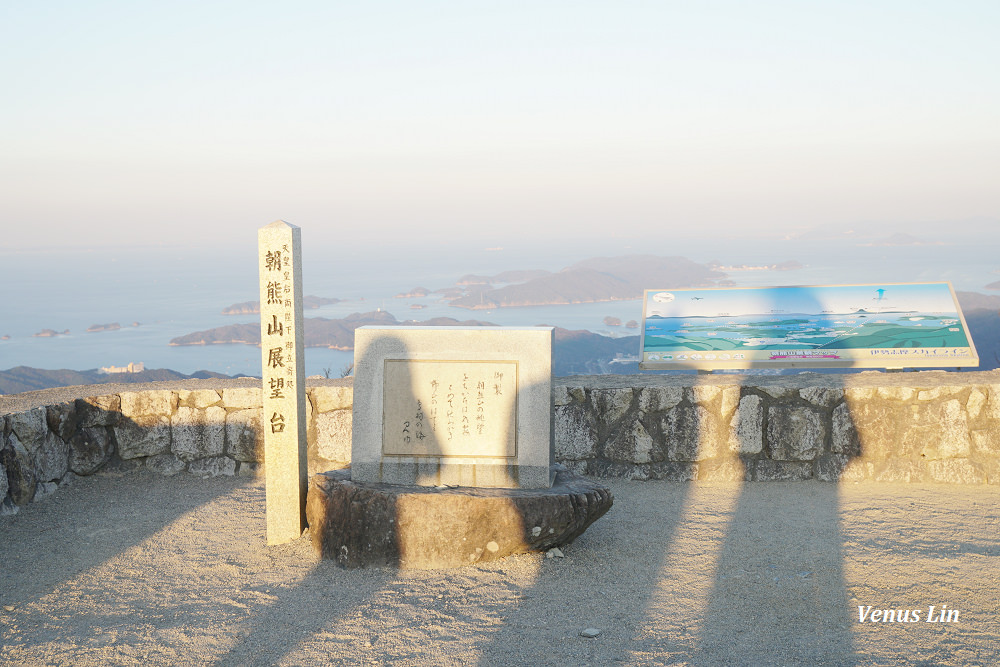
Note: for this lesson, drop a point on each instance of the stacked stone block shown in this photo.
(204, 432)
(777, 431)
(924, 429)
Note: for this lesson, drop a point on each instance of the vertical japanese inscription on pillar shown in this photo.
(283, 373)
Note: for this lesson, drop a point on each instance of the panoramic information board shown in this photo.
(888, 325)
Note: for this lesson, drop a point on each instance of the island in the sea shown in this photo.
(575, 352)
(113, 326)
(590, 281)
(337, 334)
(50, 333)
(253, 307)
(24, 378)
(899, 239)
(790, 265)
(413, 293)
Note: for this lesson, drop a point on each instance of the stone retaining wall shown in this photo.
(906, 427)
(912, 427)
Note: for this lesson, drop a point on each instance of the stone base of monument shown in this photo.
(370, 524)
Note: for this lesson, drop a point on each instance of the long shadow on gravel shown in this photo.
(779, 593)
(47, 543)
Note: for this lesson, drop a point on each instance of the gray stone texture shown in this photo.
(244, 435)
(51, 459)
(198, 434)
(674, 471)
(561, 396)
(937, 431)
(146, 435)
(575, 432)
(658, 399)
(765, 470)
(333, 435)
(913, 427)
(615, 469)
(844, 438)
(215, 466)
(167, 465)
(242, 398)
(831, 467)
(822, 397)
(794, 433)
(725, 470)
(747, 426)
(20, 467)
(328, 399)
(693, 433)
(201, 398)
(631, 443)
(98, 410)
(781, 393)
(44, 490)
(362, 525)
(153, 402)
(244, 469)
(611, 404)
(90, 449)
(30, 427)
(62, 419)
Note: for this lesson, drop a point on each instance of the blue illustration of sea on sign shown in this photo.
(887, 325)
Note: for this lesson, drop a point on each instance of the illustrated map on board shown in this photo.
(889, 325)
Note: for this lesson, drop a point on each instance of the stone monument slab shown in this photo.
(458, 406)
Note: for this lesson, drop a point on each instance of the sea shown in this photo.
(159, 292)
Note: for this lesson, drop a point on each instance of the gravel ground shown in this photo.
(136, 569)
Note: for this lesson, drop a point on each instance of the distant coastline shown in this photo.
(335, 334)
(791, 265)
(594, 280)
(23, 378)
(309, 302)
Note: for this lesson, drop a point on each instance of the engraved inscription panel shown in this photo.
(449, 408)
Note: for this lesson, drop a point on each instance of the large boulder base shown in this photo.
(383, 525)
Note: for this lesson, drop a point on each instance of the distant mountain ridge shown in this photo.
(576, 352)
(23, 378)
(309, 302)
(589, 281)
(336, 334)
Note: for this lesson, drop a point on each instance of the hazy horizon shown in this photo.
(197, 123)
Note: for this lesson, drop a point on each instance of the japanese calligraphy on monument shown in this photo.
(450, 408)
(465, 406)
(283, 373)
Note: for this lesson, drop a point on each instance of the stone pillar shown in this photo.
(283, 373)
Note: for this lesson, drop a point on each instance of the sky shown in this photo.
(140, 123)
(934, 298)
